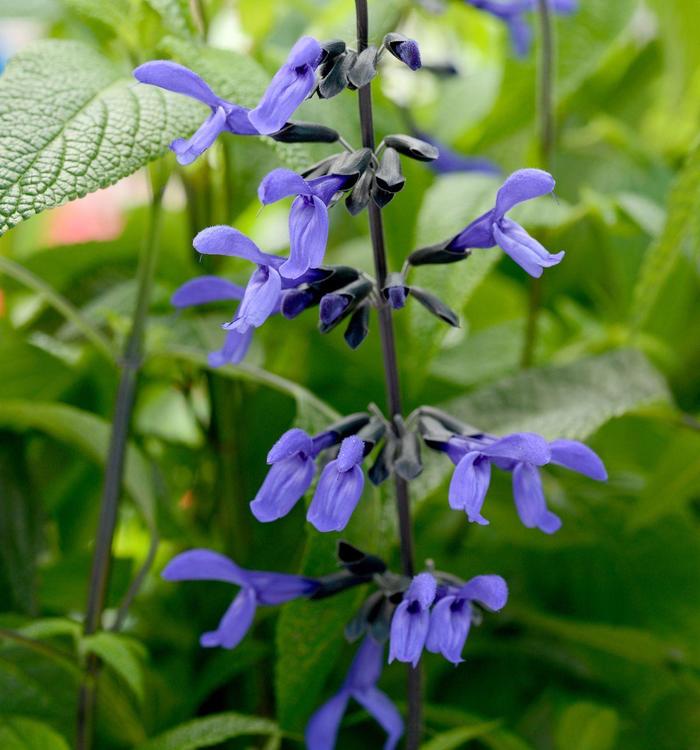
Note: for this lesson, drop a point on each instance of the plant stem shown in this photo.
(111, 492)
(391, 371)
(547, 132)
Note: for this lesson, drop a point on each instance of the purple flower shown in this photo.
(512, 13)
(257, 587)
(522, 454)
(360, 684)
(451, 616)
(292, 83)
(293, 469)
(339, 488)
(224, 115)
(204, 289)
(493, 228)
(308, 218)
(262, 294)
(411, 620)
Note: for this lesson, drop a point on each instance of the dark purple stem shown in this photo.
(391, 372)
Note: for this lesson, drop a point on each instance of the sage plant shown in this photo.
(418, 608)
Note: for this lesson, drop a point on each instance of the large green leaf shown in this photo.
(210, 731)
(121, 654)
(72, 122)
(21, 733)
(88, 433)
(681, 235)
(570, 401)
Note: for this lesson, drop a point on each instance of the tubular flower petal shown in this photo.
(493, 228)
(360, 684)
(292, 83)
(339, 489)
(411, 620)
(257, 587)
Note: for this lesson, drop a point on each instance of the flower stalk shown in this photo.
(391, 373)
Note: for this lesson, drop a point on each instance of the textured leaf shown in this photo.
(681, 235)
(88, 433)
(570, 401)
(455, 738)
(71, 122)
(210, 731)
(586, 726)
(21, 733)
(119, 653)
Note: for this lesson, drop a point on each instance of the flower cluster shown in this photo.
(432, 610)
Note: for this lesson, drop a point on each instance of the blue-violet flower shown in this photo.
(411, 620)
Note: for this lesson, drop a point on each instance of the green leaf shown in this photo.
(680, 236)
(71, 122)
(212, 730)
(120, 653)
(21, 733)
(88, 433)
(236, 77)
(455, 738)
(587, 726)
(570, 401)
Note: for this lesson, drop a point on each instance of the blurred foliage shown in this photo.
(598, 647)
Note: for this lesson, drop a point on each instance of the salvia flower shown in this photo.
(494, 228)
(292, 470)
(411, 620)
(360, 684)
(404, 49)
(522, 454)
(339, 488)
(224, 115)
(205, 289)
(308, 217)
(257, 587)
(292, 83)
(512, 13)
(451, 616)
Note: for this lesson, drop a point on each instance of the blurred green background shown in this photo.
(598, 646)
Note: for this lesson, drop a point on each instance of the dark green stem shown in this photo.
(547, 134)
(111, 491)
(391, 372)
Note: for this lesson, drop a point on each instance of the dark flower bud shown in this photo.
(350, 425)
(353, 164)
(372, 433)
(320, 168)
(395, 290)
(329, 51)
(359, 197)
(404, 49)
(305, 132)
(335, 278)
(358, 327)
(358, 562)
(408, 463)
(389, 176)
(412, 147)
(379, 196)
(433, 421)
(442, 70)
(336, 306)
(384, 464)
(364, 68)
(365, 617)
(437, 254)
(336, 583)
(436, 306)
(335, 81)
